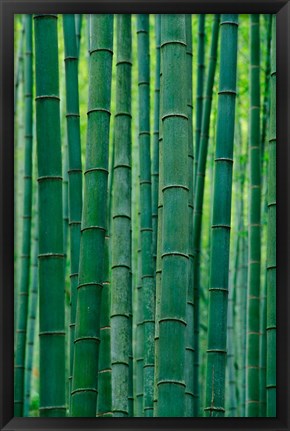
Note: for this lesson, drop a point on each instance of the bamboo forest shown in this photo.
(145, 215)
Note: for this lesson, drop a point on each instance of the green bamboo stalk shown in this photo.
(199, 87)
(104, 405)
(232, 400)
(32, 310)
(189, 335)
(271, 241)
(174, 253)
(121, 225)
(265, 114)
(21, 329)
(155, 162)
(139, 337)
(51, 273)
(19, 65)
(91, 277)
(74, 168)
(146, 211)
(159, 240)
(220, 239)
(78, 30)
(263, 351)
(253, 314)
(198, 198)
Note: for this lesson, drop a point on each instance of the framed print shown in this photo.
(144, 218)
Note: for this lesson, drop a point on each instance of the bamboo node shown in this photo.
(47, 96)
(122, 165)
(173, 42)
(174, 114)
(144, 182)
(75, 391)
(45, 15)
(93, 227)
(90, 111)
(41, 333)
(222, 289)
(19, 367)
(124, 114)
(74, 222)
(269, 328)
(52, 408)
(121, 216)
(70, 57)
(215, 409)
(92, 283)
(146, 229)
(271, 386)
(175, 253)
(175, 186)
(224, 159)
(120, 266)
(126, 315)
(232, 92)
(49, 178)
(87, 338)
(144, 132)
(120, 363)
(229, 22)
(143, 83)
(128, 62)
(173, 319)
(46, 255)
(217, 351)
(96, 170)
(171, 381)
(101, 49)
(225, 226)
(72, 114)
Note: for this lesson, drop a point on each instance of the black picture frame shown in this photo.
(7, 10)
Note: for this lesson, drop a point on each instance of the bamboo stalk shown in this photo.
(174, 252)
(23, 292)
(74, 167)
(93, 227)
(51, 272)
(220, 239)
(189, 336)
(198, 199)
(253, 306)
(271, 241)
(121, 337)
(146, 211)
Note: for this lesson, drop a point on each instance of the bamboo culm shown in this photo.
(159, 227)
(21, 328)
(148, 290)
(121, 292)
(271, 241)
(198, 198)
(199, 87)
(189, 342)
(155, 162)
(221, 216)
(93, 227)
(51, 271)
(174, 251)
(74, 167)
(253, 302)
